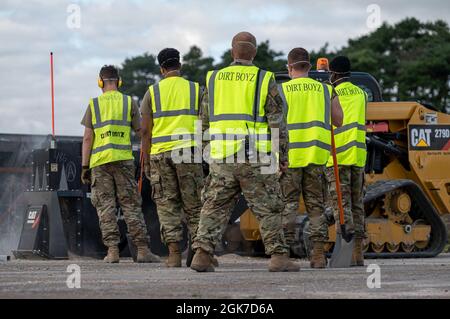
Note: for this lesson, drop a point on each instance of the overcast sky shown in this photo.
(110, 31)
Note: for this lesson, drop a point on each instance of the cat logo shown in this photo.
(420, 137)
(422, 143)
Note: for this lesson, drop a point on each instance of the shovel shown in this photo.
(343, 247)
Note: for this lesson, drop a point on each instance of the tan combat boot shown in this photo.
(144, 255)
(174, 259)
(358, 255)
(113, 255)
(202, 261)
(318, 256)
(281, 262)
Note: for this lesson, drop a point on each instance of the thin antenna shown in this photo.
(53, 94)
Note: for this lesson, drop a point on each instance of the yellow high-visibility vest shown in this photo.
(111, 119)
(308, 111)
(350, 138)
(175, 112)
(237, 96)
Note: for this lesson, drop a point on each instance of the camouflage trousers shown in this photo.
(112, 184)
(310, 182)
(262, 192)
(176, 189)
(352, 183)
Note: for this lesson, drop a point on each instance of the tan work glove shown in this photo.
(86, 175)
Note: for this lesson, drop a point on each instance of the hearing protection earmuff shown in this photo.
(101, 84)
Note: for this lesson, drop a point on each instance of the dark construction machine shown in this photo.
(407, 179)
(59, 219)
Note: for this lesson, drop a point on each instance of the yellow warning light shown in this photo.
(322, 64)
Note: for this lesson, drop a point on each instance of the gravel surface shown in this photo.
(237, 277)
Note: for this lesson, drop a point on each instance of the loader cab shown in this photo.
(364, 80)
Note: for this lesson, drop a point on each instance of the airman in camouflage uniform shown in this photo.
(227, 180)
(309, 181)
(352, 184)
(309, 139)
(176, 183)
(176, 190)
(351, 155)
(112, 184)
(109, 167)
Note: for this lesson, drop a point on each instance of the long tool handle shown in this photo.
(141, 171)
(336, 175)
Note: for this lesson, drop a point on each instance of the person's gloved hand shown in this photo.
(284, 166)
(86, 175)
(147, 169)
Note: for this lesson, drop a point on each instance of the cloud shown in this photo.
(113, 30)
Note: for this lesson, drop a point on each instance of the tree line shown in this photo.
(410, 59)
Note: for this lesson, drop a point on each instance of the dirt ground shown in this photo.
(237, 277)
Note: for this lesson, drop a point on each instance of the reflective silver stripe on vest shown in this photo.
(99, 123)
(350, 145)
(283, 98)
(192, 96)
(112, 122)
(239, 117)
(182, 111)
(173, 113)
(349, 126)
(98, 119)
(310, 144)
(125, 108)
(157, 96)
(260, 75)
(300, 126)
(233, 116)
(211, 85)
(234, 137)
(170, 138)
(327, 103)
(111, 146)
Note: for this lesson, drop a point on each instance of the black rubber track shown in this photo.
(426, 211)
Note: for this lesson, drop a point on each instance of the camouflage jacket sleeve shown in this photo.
(276, 118)
(204, 117)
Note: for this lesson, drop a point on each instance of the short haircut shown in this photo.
(169, 59)
(340, 64)
(296, 56)
(109, 72)
(244, 45)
